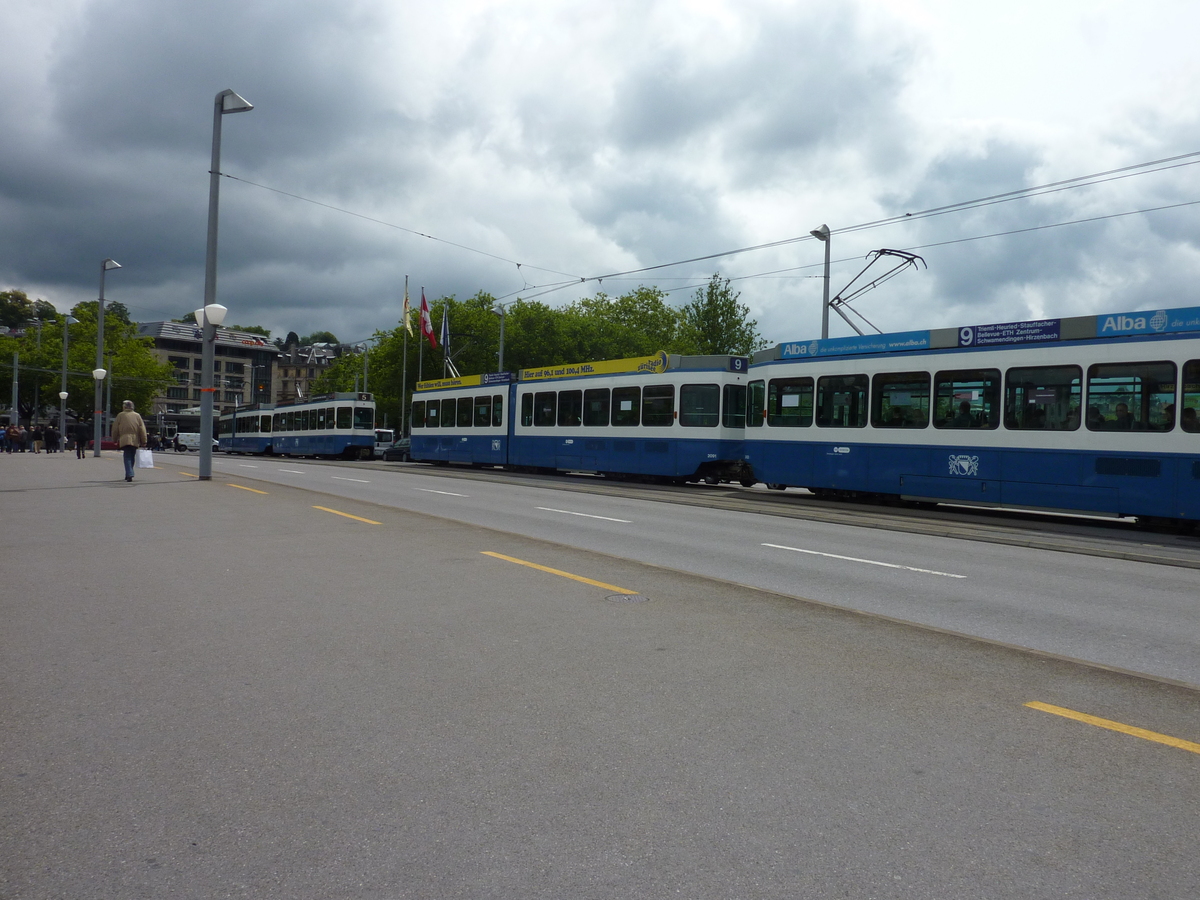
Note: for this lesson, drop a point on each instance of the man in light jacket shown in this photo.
(129, 431)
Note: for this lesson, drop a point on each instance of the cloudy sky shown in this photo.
(584, 139)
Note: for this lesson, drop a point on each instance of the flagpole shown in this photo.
(404, 364)
(445, 337)
(421, 343)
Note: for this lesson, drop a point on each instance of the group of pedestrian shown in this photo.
(19, 439)
(128, 430)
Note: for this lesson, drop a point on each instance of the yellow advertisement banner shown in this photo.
(462, 381)
(649, 364)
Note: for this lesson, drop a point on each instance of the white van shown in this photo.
(383, 440)
(190, 440)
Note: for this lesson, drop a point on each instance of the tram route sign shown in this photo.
(1010, 333)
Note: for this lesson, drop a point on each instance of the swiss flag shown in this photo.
(427, 322)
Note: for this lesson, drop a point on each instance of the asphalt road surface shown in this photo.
(1115, 612)
(249, 689)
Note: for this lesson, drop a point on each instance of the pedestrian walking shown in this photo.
(10, 438)
(52, 438)
(22, 439)
(129, 431)
(35, 437)
(81, 438)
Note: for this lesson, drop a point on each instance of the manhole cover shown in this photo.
(628, 598)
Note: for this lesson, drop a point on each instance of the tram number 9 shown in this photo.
(738, 363)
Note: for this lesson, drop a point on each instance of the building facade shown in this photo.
(244, 370)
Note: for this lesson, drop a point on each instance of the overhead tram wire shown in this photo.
(1144, 168)
(411, 231)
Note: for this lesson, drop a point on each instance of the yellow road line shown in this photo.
(242, 487)
(1116, 726)
(521, 562)
(347, 515)
(188, 474)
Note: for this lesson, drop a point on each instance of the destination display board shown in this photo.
(1034, 332)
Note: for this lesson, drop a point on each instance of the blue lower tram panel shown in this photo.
(1164, 485)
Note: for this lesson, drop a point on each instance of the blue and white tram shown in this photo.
(673, 417)
(462, 420)
(1094, 413)
(340, 424)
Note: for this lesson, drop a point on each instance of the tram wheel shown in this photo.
(776, 486)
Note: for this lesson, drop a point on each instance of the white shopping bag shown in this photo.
(144, 460)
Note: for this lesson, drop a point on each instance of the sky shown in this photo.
(547, 151)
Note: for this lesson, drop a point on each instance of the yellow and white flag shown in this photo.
(405, 319)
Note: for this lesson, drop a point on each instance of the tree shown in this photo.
(714, 323)
(15, 309)
(317, 337)
(250, 329)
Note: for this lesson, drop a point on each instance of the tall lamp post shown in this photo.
(68, 321)
(498, 310)
(98, 376)
(97, 417)
(822, 235)
(209, 317)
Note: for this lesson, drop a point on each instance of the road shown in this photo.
(246, 689)
(1124, 614)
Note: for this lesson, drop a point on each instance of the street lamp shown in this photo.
(62, 417)
(97, 420)
(225, 102)
(208, 318)
(498, 310)
(822, 235)
(68, 321)
(97, 429)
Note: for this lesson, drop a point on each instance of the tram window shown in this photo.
(570, 408)
(431, 414)
(595, 406)
(418, 413)
(756, 403)
(1136, 396)
(545, 406)
(277, 423)
(1043, 398)
(969, 398)
(733, 406)
(498, 410)
(364, 418)
(900, 400)
(700, 405)
(842, 401)
(1189, 416)
(321, 419)
(345, 416)
(464, 412)
(449, 408)
(265, 423)
(658, 405)
(483, 412)
(790, 402)
(527, 409)
(626, 405)
(301, 420)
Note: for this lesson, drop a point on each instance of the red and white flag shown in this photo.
(427, 322)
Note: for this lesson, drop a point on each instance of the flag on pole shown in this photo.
(405, 319)
(446, 328)
(427, 322)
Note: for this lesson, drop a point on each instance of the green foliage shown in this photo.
(250, 329)
(16, 309)
(188, 319)
(638, 323)
(715, 323)
(136, 373)
(318, 337)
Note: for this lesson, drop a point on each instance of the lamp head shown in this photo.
(215, 313)
(62, 395)
(110, 264)
(232, 103)
(99, 374)
(821, 234)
